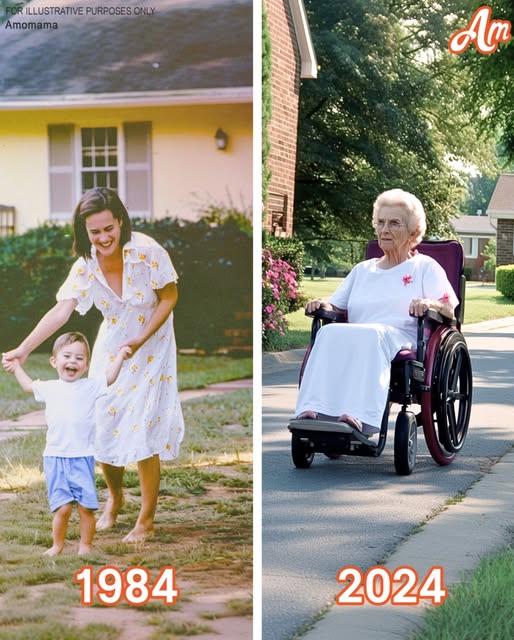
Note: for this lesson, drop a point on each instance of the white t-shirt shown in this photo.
(70, 414)
(382, 296)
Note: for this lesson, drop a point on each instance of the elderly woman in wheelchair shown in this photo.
(386, 306)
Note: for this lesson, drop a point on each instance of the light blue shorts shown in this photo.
(70, 480)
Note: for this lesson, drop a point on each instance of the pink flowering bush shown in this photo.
(279, 296)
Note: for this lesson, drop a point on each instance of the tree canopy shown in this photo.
(386, 111)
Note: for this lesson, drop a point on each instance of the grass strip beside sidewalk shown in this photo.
(478, 609)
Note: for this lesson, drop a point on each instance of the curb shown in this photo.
(489, 325)
(273, 362)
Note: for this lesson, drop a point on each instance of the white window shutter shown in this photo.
(138, 169)
(61, 163)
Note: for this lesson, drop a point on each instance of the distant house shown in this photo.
(501, 212)
(157, 105)
(474, 232)
(293, 58)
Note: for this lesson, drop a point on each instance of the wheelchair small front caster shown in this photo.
(302, 453)
(405, 443)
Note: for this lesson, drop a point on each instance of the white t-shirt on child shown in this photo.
(70, 414)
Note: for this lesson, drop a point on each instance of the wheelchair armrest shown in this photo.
(325, 316)
(328, 315)
(435, 316)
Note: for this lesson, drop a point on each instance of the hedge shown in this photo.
(214, 264)
(505, 280)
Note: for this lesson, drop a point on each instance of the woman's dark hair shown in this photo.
(94, 201)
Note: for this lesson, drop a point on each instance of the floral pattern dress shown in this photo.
(141, 414)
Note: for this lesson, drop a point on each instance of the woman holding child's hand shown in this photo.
(131, 280)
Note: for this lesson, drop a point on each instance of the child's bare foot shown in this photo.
(108, 518)
(139, 534)
(53, 551)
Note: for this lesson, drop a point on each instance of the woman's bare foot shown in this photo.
(53, 551)
(139, 534)
(353, 422)
(85, 549)
(307, 415)
(108, 518)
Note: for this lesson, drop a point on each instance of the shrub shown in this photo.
(279, 293)
(289, 249)
(215, 281)
(214, 264)
(505, 280)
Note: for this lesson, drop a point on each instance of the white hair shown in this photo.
(416, 219)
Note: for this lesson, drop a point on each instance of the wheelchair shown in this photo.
(437, 376)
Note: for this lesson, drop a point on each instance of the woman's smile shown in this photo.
(104, 231)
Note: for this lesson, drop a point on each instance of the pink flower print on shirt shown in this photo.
(445, 298)
(407, 279)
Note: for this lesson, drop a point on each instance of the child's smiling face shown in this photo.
(71, 361)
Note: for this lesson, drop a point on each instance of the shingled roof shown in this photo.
(502, 201)
(184, 46)
(474, 226)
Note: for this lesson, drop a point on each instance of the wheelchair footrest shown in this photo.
(327, 426)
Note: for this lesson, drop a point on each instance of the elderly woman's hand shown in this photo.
(313, 305)
(419, 306)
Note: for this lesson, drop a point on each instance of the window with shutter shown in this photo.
(87, 157)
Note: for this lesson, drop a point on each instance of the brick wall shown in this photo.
(504, 242)
(284, 119)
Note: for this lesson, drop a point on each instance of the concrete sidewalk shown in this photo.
(36, 419)
(457, 538)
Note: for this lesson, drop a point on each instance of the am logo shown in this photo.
(485, 33)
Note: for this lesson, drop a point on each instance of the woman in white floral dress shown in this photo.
(130, 278)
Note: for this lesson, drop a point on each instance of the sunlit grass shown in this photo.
(485, 303)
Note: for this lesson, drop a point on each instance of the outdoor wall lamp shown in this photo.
(221, 139)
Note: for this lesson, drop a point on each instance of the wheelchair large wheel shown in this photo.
(405, 443)
(301, 453)
(446, 408)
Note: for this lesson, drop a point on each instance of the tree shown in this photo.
(490, 253)
(479, 191)
(383, 113)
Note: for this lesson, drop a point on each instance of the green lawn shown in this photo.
(482, 303)
(485, 303)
